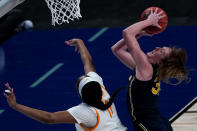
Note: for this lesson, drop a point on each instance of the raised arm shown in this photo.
(39, 115)
(120, 51)
(143, 67)
(84, 53)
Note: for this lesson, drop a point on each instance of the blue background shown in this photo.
(29, 55)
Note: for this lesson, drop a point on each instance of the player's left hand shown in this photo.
(11, 99)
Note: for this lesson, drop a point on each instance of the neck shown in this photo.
(153, 60)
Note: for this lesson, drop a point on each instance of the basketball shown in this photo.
(162, 22)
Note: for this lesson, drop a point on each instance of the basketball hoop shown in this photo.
(63, 10)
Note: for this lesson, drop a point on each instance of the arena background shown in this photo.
(113, 13)
(28, 55)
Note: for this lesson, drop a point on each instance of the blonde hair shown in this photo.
(173, 66)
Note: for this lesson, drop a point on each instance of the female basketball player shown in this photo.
(96, 112)
(161, 64)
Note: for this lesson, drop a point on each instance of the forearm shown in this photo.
(120, 45)
(39, 115)
(84, 53)
(86, 58)
(136, 28)
(129, 35)
(119, 50)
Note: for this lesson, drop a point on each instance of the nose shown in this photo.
(157, 48)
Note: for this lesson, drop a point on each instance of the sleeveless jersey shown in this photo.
(144, 95)
(143, 104)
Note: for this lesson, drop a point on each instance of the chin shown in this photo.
(149, 54)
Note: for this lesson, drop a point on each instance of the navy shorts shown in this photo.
(161, 124)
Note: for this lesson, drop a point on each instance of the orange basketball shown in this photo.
(162, 22)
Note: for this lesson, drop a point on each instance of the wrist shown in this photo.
(148, 22)
(15, 106)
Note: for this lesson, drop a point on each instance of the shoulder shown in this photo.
(83, 113)
(145, 74)
(80, 107)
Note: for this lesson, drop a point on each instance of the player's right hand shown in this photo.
(75, 42)
(155, 16)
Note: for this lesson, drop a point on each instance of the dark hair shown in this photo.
(92, 95)
(173, 66)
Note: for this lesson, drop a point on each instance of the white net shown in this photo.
(63, 10)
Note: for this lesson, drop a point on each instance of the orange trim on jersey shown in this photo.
(97, 123)
(105, 89)
(111, 110)
(109, 113)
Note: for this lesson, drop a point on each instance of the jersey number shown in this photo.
(156, 89)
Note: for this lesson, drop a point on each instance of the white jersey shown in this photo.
(100, 120)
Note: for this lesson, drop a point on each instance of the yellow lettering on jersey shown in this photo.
(130, 77)
(156, 89)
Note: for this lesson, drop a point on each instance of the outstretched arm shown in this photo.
(39, 115)
(84, 53)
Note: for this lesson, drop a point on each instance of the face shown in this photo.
(158, 54)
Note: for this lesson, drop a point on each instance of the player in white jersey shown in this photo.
(96, 112)
(99, 119)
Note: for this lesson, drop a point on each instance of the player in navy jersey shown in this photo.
(149, 69)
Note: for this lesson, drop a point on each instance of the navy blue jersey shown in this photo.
(142, 102)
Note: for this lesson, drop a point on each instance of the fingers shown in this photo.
(160, 12)
(8, 86)
(71, 42)
(159, 26)
(67, 42)
(151, 11)
(160, 17)
(155, 12)
(6, 95)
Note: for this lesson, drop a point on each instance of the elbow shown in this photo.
(128, 33)
(113, 49)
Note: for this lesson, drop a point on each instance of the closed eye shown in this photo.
(162, 51)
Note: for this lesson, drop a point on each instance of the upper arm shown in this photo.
(62, 117)
(119, 50)
(89, 67)
(143, 67)
(83, 115)
(126, 59)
